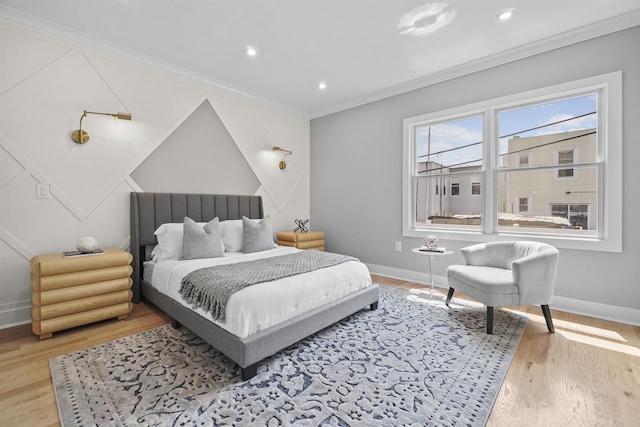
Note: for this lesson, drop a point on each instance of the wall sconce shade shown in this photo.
(80, 137)
(282, 163)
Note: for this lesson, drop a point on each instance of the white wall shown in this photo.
(356, 170)
(45, 84)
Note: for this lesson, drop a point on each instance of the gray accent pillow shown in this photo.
(201, 241)
(257, 236)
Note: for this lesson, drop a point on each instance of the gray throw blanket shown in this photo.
(210, 288)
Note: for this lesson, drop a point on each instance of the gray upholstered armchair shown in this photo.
(506, 273)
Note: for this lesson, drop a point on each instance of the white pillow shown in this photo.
(170, 238)
(231, 232)
(169, 246)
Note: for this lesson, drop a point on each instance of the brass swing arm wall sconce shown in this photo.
(80, 137)
(282, 163)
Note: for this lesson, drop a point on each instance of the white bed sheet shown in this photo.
(263, 305)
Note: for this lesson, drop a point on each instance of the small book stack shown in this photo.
(70, 254)
(438, 249)
(300, 240)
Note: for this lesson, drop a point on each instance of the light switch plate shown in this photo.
(42, 191)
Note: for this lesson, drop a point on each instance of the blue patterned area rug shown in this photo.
(413, 361)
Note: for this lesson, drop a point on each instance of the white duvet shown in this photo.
(263, 305)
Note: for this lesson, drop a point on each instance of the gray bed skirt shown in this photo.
(248, 352)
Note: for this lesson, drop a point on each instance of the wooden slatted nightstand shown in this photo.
(71, 291)
(300, 240)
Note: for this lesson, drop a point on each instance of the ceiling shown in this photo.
(356, 46)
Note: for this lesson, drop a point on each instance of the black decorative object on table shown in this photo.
(301, 225)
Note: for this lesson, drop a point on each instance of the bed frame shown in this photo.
(150, 210)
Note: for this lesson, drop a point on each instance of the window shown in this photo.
(523, 204)
(560, 127)
(446, 151)
(576, 215)
(538, 134)
(565, 157)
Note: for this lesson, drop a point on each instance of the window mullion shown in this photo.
(489, 167)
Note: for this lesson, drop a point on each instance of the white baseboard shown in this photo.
(15, 313)
(19, 313)
(613, 313)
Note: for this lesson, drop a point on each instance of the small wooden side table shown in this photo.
(300, 240)
(71, 291)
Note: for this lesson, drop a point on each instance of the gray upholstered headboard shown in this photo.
(150, 210)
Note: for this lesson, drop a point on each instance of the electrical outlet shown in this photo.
(398, 246)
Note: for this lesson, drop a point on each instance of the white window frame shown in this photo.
(609, 157)
(524, 156)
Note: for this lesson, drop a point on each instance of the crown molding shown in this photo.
(79, 38)
(568, 38)
(598, 29)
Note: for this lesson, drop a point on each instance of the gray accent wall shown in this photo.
(200, 156)
(356, 172)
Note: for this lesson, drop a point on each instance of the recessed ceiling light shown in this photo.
(505, 15)
(322, 85)
(250, 51)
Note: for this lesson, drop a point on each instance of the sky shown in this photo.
(455, 134)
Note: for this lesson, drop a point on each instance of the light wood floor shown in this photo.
(586, 374)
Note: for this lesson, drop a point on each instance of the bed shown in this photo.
(247, 349)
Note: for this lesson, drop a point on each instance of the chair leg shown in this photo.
(489, 320)
(547, 317)
(449, 296)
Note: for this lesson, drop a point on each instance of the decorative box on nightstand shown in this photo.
(71, 291)
(300, 240)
